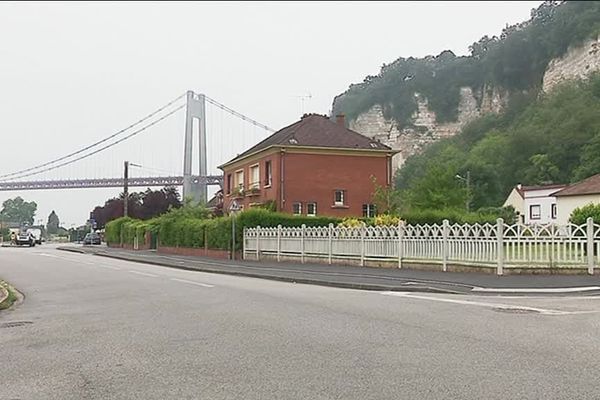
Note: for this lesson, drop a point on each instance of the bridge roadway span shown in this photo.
(106, 182)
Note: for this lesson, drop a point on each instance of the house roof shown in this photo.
(315, 130)
(522, 189)
(590, 185)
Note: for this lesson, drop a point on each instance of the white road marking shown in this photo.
(109, 267)
(192, 282)
(536, 290)
(484, 304)
(143, 273)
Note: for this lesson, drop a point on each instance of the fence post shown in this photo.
(445, 230)
(590, 245)
(278, 242)
(330, 238)
(362, 245)
(258, 242)
(500, 244)
(302, 243)
(400, 243)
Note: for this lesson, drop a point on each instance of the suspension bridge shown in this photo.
(162, 153)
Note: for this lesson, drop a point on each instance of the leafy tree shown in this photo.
(144, 205)
(386, 199)
(53, 223)
(18, 210)
(437, 189)
(580, 215)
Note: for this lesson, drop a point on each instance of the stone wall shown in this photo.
(578, 63)
(425, 129)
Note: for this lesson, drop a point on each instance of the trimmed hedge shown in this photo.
(113, 229)
(185, 229)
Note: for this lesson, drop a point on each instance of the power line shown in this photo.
(237, 114)
(105, 147)
(96, 143)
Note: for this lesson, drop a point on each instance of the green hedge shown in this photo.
(185, 230)
(113, 229)
(453, 216)
(265, 218)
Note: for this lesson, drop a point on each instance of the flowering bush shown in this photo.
(350, 223)
(386, 220)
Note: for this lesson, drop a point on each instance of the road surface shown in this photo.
(98, 328)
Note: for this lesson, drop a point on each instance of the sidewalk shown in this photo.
(364, 278)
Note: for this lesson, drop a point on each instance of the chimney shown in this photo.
(340, 119)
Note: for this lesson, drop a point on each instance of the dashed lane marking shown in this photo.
(192, 282)
(143, 273)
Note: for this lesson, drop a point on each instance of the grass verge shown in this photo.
(12, 297)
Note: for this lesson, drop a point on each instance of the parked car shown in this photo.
(92, 238)
(25, 238)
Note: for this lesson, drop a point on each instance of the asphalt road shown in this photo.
(100, 328)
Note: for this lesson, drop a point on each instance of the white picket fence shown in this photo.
(499, 245)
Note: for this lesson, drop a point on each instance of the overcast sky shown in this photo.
(73, 73)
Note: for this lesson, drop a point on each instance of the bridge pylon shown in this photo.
(194, 188)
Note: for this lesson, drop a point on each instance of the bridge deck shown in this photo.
(107, 183)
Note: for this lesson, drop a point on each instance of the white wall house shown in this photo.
(577, 195)
(535, 204)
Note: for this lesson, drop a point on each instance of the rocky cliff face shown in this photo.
(578, 63)
(409, 140)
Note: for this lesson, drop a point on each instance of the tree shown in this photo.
(53, 223)
(18, 210)
(438, 189)
(385, 198)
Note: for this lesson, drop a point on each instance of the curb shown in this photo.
(3, 294)
(308, 281)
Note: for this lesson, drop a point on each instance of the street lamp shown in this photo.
(468, 182)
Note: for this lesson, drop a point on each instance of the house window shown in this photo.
(554, 211)
(268, 173)
(311, 209)
(369, 210)
(297, 208)
(254, 177)
(535, 211)
(239, 179)
(228, 183)
(338, 198)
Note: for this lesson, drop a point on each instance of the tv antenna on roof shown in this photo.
(302, 99)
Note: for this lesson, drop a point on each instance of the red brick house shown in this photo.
(312, 167)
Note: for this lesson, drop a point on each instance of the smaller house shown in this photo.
(534, 204)
(577, 195)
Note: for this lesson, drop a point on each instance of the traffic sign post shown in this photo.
(233, 208)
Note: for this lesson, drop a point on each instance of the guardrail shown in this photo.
(497, 245)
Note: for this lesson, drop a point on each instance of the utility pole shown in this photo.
(125, 187)
(468, 182)
(468, 191)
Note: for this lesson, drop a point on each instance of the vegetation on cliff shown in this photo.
(553, 138)
(515, 61)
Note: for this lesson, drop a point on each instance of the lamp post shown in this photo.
(468, 182)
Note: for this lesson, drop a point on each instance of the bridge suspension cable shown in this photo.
(152, 114)
(132, 134)
(237, 114)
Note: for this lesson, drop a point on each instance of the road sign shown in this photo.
(234, 206)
